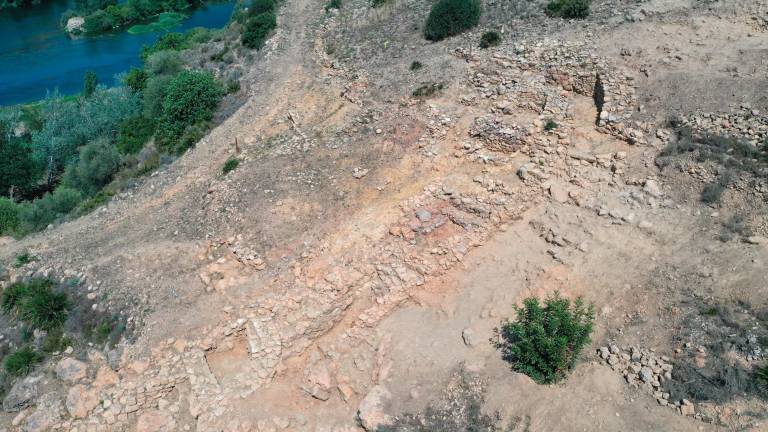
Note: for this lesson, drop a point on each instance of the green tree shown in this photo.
(90, 81)
(257, 30)
(136, 79)
(191, 98)
(451, 17)
(96, 165)
(9, 216)
(544, 342)
(17, 169)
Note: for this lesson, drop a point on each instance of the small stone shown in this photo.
(423, 215)
(371, 413)
(468, 336)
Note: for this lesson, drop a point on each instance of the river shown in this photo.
(37, 56)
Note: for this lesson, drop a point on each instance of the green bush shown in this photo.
(9, 216)
(22, 361)
(164, 63)
(489, 39)
(257, 30)
(229, 165)
(451, 17)
(56, 341)
(134, 133)
(544, 342)
(550, 125)
(153, 96)
(23, 258)
(17, 167)
(333, 4)
(259, 7)
(568, 8)
(190, 101)
(416, 65)
(36, 303)
(428, 90)
(136, 79)
(39, 213)
(101, 198)
(90, 81)
(97, 163)
(761, 375)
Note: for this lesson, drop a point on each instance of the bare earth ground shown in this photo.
(369, 242)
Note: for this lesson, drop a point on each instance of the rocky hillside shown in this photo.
(394, 200)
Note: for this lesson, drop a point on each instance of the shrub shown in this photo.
(134, 133)
(9, 216)
(101, 198)
(333, 4)
(416, 66)
(761, 376)
(97, 163)
(136, 79)
(90, 81)
(36, 303)
(568, 8)
(17, 168)
(23, 259)
(712, 192)
(22, 361)
(451, 17)
(153, 96)
(544, 342)
(259, 7)
(257, 29)
(43, 211)
(55, 341)
(229, 165)
(490, 39)
(550, 125)
(428, 90)
(44, 309)
(164, 63)
(379, 3)
(190, 100)
(15, 292)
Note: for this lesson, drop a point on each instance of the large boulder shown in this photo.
(22, 394)
(371, 412)
(47, 414)
(71, 370)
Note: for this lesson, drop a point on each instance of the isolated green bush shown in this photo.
(44, 309)
(544, 342)
(9, 216)
(257, 30)
(451, 17)
(333, 4)
(190, 100)
(229, 165)
(490, 39)
(36, 303)
(568, 8)
(22, 361)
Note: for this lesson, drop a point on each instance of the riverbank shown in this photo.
(38, 57)
(148, 16)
